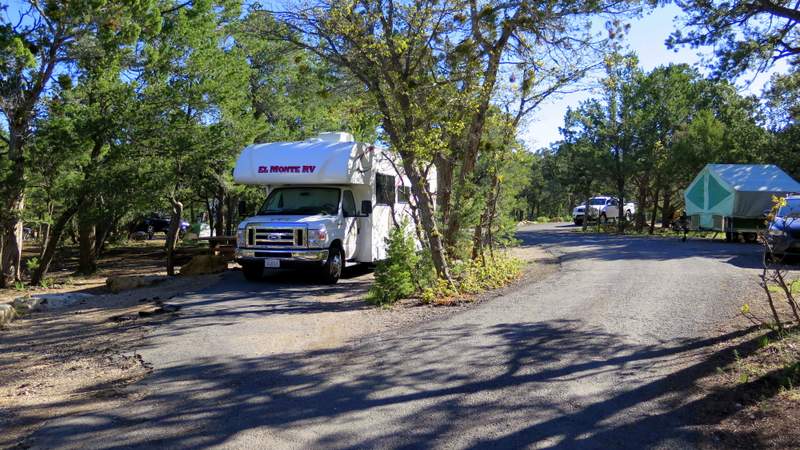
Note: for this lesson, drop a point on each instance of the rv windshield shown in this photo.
(302, 201)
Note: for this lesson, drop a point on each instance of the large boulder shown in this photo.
(7, 313)
(205, 264)
(119, 284)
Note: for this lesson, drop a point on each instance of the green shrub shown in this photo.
(32, 264)
(406, 273)
(543, 219)
(394, 276)
(475, 276)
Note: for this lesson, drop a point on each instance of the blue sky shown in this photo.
(646, 38)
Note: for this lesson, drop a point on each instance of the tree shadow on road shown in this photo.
(557, 384)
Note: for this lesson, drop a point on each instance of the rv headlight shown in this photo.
(240, 241)
(318, 238)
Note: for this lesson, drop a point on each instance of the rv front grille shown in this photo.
(277, 237)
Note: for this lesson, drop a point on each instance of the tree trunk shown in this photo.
(87, 258)
(48, 251)
(585, 224)
(229, 207)
(654, 214)
(426, 212)
(465, 190)
(444, 185)
(210, 212)
(11, 254)
(485, 221)
(172, 234)
(44, 233)
(103, 230)
(641, 198)
(667, 210)
(220, 216)
(621, 199)
(12, 251)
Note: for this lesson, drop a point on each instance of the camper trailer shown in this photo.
(734, 198)
(331, 202)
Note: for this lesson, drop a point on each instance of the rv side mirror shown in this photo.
(242, 208)
(366, 207)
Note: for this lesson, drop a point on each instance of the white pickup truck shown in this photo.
(602, 208)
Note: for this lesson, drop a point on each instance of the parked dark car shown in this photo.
(156, 223)
(783, 234)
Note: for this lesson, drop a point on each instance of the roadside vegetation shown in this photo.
(757, 390)
(408, 273)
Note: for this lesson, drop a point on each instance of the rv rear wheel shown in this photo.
(252, 271)
(332, 269)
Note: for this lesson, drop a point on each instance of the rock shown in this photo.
(7, 313)
(119, 284)
(205, 264)
(39, 302)
(27, 304)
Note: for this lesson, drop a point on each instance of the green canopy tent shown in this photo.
(733, 197)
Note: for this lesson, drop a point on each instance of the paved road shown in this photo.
(601, 355)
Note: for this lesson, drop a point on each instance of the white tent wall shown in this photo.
(735, 191)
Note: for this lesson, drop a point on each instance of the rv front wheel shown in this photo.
(332, 270)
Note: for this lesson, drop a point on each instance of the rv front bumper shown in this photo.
(286, 257)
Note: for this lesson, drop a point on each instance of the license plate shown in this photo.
(272, 263)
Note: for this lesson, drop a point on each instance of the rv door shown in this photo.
(351, 229)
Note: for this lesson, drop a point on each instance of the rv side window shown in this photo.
(384, 189)
(348, 204)
(403, 194)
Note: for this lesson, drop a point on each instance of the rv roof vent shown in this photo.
(336, 136)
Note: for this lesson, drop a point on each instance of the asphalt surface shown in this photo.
(603, 354)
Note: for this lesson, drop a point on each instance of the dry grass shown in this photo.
(757, 394)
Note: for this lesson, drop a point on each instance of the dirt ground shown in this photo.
(68, 361)
(135, 258)
(753, 399)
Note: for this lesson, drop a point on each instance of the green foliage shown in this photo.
(473, 277)
(406, 273)
(745, 34)
(32, 264)
(394, 276)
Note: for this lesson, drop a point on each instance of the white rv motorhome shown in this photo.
(330, 203)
